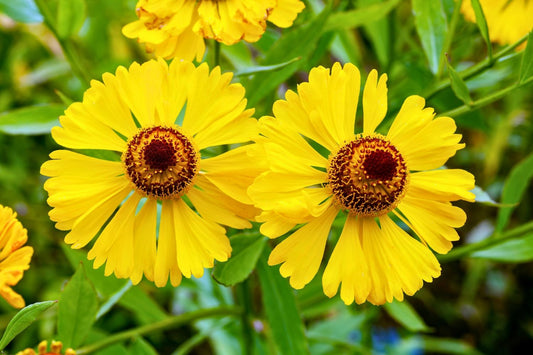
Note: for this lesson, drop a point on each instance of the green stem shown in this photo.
(66, 45)
(486, 100)
(476, 69)
(449, 38)
(168, 323)
(243, 290)
(458, 253)
(217, 53)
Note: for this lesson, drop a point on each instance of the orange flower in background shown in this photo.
(177, 28)
(508, 21)
(56, 348)
(14, 256)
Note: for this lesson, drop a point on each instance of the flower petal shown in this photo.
(374, 101)
(442, 185)
(347, 266)
(301, 253)
(144, 242)
(166, 260)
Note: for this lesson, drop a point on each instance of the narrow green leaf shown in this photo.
(459, 86)
(379, 33)
(513, 189)
(31, 120)
(22, 10)
(483, 197)
(517, 250)
(526, 68)
(23, 319)
(298, 42)
(113, 300)
(434, 345)
(360, 16)
(430, 21)
(70, 17)
(265, 68)
(406, 315)
(246, 249)
(77, 309)
(141, 347)
(280, 307)
(482, 24)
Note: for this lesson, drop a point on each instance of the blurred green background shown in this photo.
(481, 302)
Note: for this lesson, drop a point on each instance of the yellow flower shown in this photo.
(160, 119)
(55, 349)
(319, 167)
(177, 28)
(14, 257)
(508, 21)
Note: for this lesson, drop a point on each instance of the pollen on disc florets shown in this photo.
(368, 176)
(161, 162)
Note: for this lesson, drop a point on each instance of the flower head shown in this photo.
(153, 127)
(177, 28)
(318, 167)
(14, 256)
(507, 21)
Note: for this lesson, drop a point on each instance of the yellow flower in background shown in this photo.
(508, 21)
(160, 119)
(319, 167)
(14, 256)
(177, 28)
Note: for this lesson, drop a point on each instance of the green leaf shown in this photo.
(483, 197)
(23, 319)
(482, 24)
(31, 120)
(459, 86)
(298, 42)
(280, 307)
(359, 17)
(434, 345)
(406, 315)
(526, 68)
(430, 21)
(246, 249)
(77, 309)
(70, 17)
(265, 68)
(517, 250)
(141, 347)
(513, 189)
(22, 10)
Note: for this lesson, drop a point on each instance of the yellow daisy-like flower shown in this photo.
(56, 348)
(160, 119)
(177, 28)
(508, 21)
(14, 256)
(376, 179)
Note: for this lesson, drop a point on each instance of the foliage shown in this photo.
(50, 50)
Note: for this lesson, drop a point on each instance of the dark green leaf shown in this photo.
(360, 16)
(518, 250)
(22, 10)
(77, 309)
(526, 69)
(245, 252)
(378, 31)
(299, 42)
(405, 314)
(515, 186)
(459, 86)
(280, 307)
(70, 17)
(113, 300)
(482, 24)
(23, 319)
(430, 21)
(31, 120)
